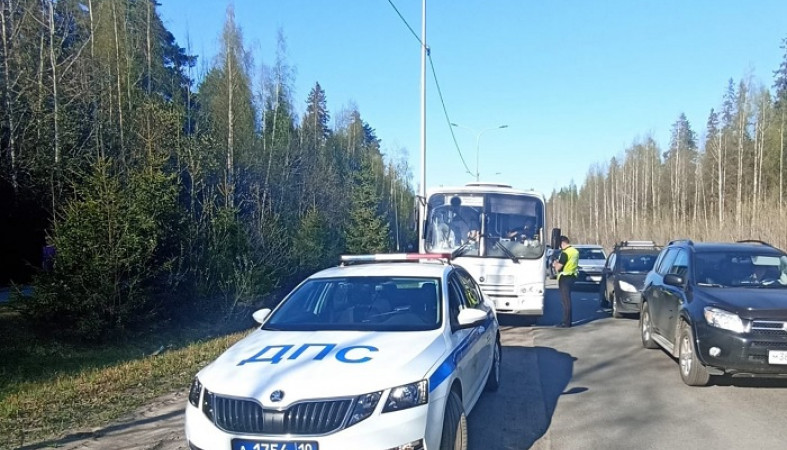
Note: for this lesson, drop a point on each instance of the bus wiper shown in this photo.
(507, 251)
(460, 250)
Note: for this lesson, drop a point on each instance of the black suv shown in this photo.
(624, 275)
(720, 308)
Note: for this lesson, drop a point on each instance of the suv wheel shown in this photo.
(692, 371)
(646, 329)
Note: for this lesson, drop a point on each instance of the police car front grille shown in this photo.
(315, 417)
(246, 416)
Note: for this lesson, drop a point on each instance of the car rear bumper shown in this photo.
(740, 354)
(585, 277)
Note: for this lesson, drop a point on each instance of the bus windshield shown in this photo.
(494, 225)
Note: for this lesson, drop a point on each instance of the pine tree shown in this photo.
(368, 230)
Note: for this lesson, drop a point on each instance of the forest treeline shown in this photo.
(728, 184)
(162, 190)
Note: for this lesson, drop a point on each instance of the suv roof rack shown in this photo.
(753, 241)
(633, 244)
(346, 260)
(676, 241)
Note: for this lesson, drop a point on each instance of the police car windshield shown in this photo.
(361, 304)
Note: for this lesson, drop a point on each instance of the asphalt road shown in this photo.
(595, 387)
(589, 387)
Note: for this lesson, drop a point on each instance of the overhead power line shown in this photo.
(415, 35)
(437, 84)
(445, 111)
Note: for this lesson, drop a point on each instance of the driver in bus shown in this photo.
(464, 222)
(528, 231)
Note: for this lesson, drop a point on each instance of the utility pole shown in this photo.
(424, 50)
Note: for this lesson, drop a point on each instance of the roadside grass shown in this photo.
(48, 388)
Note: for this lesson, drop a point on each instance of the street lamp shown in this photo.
(478, 142)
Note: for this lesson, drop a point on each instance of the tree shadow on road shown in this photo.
(110, 429)
(532, 381)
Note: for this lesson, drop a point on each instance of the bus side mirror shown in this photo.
(556, 238)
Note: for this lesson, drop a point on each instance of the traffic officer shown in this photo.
(567, 266)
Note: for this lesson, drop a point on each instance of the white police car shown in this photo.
(369, 355)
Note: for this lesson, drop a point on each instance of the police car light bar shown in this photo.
(393, 257)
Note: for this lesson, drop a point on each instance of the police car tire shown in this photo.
(454, 425)
(493, 381)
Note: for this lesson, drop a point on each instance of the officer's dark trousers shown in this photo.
(565, 283)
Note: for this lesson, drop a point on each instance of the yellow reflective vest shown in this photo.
(571, 267)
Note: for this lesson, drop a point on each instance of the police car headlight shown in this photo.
(407, 396)
(194, 392)
(725, 320)
(627, 287)
(363, 407)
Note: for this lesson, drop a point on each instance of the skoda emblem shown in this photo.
(277, 395)
(482, 279)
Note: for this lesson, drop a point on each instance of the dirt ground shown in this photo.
(158, 425)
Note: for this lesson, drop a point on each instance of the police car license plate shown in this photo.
(777, 357)
(245, 444)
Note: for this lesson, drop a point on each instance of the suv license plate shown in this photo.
(245, 444)
(777, 357)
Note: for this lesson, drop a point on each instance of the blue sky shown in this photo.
(575, 81)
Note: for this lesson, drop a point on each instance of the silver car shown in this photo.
(591, 263)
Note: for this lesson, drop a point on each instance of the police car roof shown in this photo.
(387, 269)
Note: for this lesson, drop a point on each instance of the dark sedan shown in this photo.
(720, 308)
(624, 275)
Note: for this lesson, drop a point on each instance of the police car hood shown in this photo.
(310, 365)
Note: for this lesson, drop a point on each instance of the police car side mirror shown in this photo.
(261, 314)
(470, 317)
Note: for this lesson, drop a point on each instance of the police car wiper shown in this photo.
(507, 251)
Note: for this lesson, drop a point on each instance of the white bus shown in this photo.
(497, 234)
